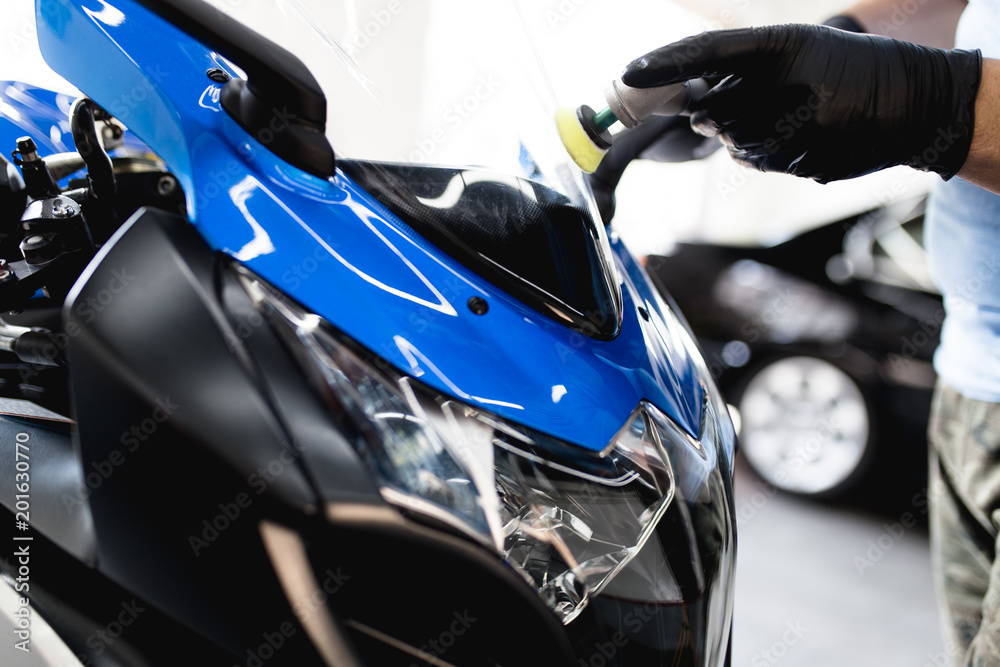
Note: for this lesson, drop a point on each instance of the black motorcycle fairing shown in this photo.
(148, 312)
(413, 589)
(319, 442)
(524, 237)
(86, 610)
(181, 528)
(57, 484)
(179, 476)
(195, 464)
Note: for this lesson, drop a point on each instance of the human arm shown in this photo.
(930, 23)
(982, 166)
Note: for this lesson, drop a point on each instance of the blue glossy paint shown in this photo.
(332, 247)
(42, 115)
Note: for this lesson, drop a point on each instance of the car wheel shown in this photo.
(806, 427)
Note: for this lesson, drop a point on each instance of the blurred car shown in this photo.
(822, 345)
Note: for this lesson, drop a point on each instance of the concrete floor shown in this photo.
(854, 589)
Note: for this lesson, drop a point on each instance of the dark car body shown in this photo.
(855, 294)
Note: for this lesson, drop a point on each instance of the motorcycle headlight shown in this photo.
(566, 519)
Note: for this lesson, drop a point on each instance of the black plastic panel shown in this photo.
(436, 593)
(57, 497)
(333, 466)
(162, 392)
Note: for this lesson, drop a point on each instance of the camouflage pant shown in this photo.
(965, 524)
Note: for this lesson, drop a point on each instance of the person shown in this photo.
(834, 102)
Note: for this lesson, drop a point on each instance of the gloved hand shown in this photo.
(823, 103)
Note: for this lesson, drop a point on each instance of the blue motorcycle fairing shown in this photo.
(331, 246)
(43, 115)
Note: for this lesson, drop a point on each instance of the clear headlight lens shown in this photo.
(566, 519)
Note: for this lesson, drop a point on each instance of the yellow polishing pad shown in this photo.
(579, 146)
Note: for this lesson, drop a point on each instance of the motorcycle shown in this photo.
(265, 403)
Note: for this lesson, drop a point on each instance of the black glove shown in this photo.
(823, 103)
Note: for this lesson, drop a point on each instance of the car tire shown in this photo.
(807, 427)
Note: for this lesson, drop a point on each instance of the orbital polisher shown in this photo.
(586, 134)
